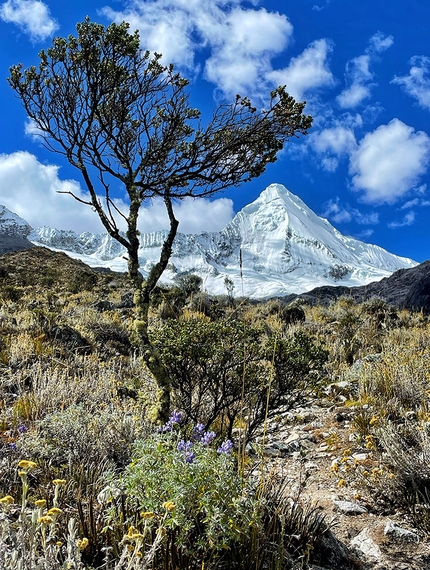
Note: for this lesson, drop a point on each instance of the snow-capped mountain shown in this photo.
(12, 225)
(274, 246)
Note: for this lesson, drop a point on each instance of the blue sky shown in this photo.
(363, 68)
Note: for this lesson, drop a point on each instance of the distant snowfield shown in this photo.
(284, 246)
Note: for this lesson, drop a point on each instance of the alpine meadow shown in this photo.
(161, 427)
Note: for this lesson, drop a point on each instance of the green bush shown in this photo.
(190, 488)
(227, 369)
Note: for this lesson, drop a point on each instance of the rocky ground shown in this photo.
(307, 447)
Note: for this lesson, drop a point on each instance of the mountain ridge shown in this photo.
(274, 246)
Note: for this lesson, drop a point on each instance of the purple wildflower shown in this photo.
(199, 428)
(175, 418)
(189, 457)
(226, 447)
(22, 428)
(13, 446)
(184, 445)
(208, 437)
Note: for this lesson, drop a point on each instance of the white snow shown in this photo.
(286, 248)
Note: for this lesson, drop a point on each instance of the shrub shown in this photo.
(76, 434)
(189, 284)
(196, 503)
(208, 364)
(227, 369)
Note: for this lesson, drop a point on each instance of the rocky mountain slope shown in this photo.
(274, 246)
(404, 289)
(13, 232)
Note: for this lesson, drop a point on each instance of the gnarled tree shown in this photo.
(119, 116)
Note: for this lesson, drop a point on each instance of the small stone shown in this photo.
(323, 447)
(395, 531)
(366, 544)
(307, 444)
(281, 446)
(272, 452)
(411, 416)
(360, 456)
(293, 437)
(350, 508)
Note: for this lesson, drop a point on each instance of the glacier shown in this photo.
(273, 247)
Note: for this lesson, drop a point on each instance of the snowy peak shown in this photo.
(12, 225)
(274, 246)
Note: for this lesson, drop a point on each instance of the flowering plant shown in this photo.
(211, 508)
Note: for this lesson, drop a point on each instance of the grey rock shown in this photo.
(366, 544)
(349, 507)
(395, 531)
(104, 305)
(69, 338)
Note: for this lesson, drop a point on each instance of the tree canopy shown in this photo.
(121, 117)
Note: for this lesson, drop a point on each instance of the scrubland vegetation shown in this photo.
(88, 481)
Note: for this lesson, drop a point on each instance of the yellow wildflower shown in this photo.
(148, 515)
(24, 464)
(45, 520)
(7, 500)
(54, 511)
(59, 543)
(138, 554)
(41, 503)
(59, 481)
(169, 505)
(341, 483)
(82, 544)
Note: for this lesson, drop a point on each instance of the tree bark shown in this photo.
(142, 299)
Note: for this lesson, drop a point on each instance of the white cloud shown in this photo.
(358, 75)
(308, 71)
(354, 95)
(365, 234)
(32, 16)
(338, 140)
(389, 162)
(319, 8)
(417, 83)
(195, 215)
(30, 189)
(345, 214)
(243, 48)
(331, 144)
(410, 204)
(408, 220)
(241, 43)
(379, 42)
